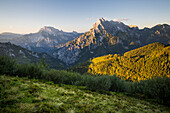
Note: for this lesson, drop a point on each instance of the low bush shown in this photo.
(99, 83)
(29, 70)
(7, 65)
(62, 77)
(117, 84)
(158, 88)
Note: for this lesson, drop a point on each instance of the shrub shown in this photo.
(7, 65)
(63, 77)
(117, 84)
(158, 88)
(99, 83)
(29, 70)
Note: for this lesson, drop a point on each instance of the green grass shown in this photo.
(30, 95)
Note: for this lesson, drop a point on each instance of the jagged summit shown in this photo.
(101, 19)
(109, 26)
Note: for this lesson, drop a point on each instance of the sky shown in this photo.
(28, 16)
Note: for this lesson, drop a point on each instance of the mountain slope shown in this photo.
(110, 37)
(139, 64)
(23, 55)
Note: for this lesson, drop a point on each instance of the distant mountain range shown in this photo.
(6, 36)
(45, 39)
(105, 37)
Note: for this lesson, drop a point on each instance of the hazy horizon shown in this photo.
(28, 16)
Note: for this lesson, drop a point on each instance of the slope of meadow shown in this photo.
(31, 95)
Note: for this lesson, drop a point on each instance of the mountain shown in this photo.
(105, 37)
(110, 37)
(6, 36)
(45, 39)
(139, 64)
(23, 55)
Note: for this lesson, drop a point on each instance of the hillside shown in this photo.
(24, 56)
(138, 64)
(30, 95)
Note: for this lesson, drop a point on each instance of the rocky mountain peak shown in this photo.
(99, 24)
(106, 26)
(101, 19)
(48, 29)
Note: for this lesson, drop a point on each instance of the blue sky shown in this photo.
(28, 16)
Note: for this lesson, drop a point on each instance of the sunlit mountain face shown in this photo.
(110, 37)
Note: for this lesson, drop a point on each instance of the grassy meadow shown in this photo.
(32, 95)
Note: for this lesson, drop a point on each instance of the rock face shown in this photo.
(110, 37)
(45, 39)
(110, 26)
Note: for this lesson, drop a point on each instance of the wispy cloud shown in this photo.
(121, 19)
(90, 18)
(94, 18)
(106, 18)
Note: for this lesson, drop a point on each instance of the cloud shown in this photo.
(121, 19)
(93, 18)
(90, 18)
(106, 18)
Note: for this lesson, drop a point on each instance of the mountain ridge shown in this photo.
(109, 37)
(105, 37)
